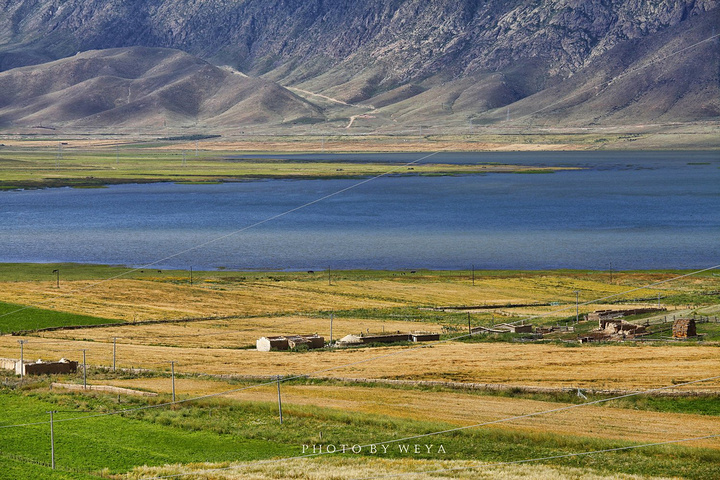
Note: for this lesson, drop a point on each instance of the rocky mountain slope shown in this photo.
(410, 61)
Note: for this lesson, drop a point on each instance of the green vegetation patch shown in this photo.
(115, 442)
(15, 318)
(218, 430)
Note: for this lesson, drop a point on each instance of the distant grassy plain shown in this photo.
(86, 163)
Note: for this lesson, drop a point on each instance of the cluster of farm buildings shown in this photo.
(293, 342)
(611, 327)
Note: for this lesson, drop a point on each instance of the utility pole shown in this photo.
(577, 306)
(279, 400)
(114, 351)
(191, 276)
(52, 440)
(57, 277)
(172, 373)
(469, 327)
(84, 372)
(22, 359)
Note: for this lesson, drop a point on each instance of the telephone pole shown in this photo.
(84, 372)
(52, 440)
(577, 306)
(279, 400)
(172, 373)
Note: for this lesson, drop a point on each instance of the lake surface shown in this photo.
(624, 210)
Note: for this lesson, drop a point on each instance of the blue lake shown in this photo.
(623, 210)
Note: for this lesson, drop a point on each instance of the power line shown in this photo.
(338, 192)
(382, 356)
(466, 427)
(227, 235)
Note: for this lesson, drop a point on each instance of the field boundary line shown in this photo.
(124, 324)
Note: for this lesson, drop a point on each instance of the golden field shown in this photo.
(459, 408)
(173, 297)
(546, 365)
(238, 311)
(213, 355)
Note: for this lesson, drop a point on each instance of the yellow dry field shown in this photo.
(234, 333)
(606, 367)
(333, 468)
(133, 300)
(462, 409)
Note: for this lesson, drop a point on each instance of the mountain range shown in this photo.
(369, 65)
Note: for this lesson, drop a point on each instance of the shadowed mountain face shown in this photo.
(457, 63)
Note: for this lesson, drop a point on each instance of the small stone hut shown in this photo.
(43, 368)
(287, 342)
(684, 328)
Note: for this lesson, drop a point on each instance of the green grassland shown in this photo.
(15, 318)
(218, 430)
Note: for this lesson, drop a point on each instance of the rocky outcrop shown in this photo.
(412, 38)
(476, 56)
